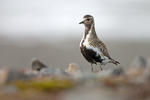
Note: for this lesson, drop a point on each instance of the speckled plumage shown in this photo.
(37, 65)
(92, 48)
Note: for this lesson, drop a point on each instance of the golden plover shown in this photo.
(37, 65)
(93, 49)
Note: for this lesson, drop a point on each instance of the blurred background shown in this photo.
(49, 30)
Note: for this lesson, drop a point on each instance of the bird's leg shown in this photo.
(92, 67)
(100, 67)
(97, 69)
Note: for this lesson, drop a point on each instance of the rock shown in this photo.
(117, 71)
(137, 67)
(14, 75)
(136, 73)
(139, 62)
(74, 70)
(53, 72)
(30, 72)
(147, 70)
(8, 75)
(3, 75)
(148, 63)
(37, 65)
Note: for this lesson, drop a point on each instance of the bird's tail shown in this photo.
(114, 61)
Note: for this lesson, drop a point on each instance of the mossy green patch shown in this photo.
(45, 85)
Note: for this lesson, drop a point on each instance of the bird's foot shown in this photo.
(95, 70)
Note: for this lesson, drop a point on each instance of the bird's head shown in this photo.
(88, 20)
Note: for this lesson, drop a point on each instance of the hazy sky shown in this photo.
(51, 18)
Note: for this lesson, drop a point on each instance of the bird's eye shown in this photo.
(87, 19)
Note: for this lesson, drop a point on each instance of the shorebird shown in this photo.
(37, 65)
(92, 48)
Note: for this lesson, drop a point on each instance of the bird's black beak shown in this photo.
(81, 22)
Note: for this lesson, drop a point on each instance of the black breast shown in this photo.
(90, 55)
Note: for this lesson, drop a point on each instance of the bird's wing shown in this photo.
(98, 43)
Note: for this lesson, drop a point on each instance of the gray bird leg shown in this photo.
(92, 67)
(100, 67)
